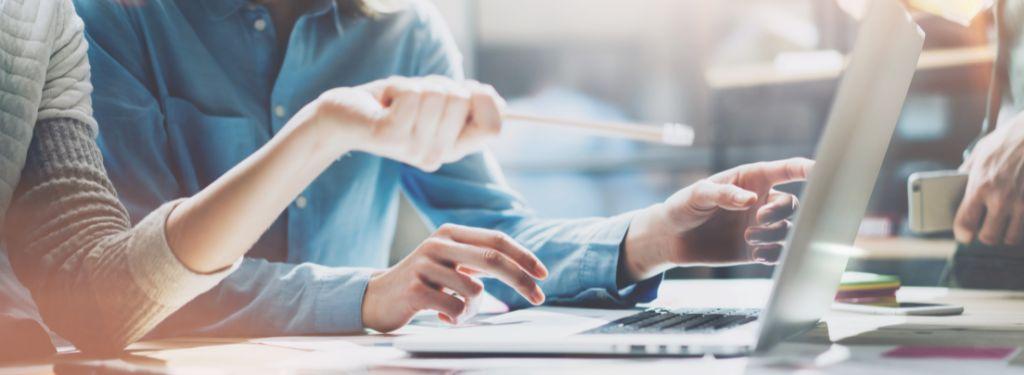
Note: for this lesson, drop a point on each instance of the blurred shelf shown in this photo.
(767, 74)
(905, 248)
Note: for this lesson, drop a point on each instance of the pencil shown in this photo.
(668, 134)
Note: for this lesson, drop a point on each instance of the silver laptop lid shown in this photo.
(864, 114)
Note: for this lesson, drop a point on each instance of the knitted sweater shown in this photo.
(97, 282)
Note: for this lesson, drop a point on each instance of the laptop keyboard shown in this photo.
(676, 321)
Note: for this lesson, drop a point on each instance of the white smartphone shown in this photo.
(902, 308)
(934, 198)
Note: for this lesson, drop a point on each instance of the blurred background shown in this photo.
(755, 79)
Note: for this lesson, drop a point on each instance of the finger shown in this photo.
(432, 105)
(708, 196)
(774, 232)
(484, 118)
(968, 217)
(468, 270)
(494, 263)
(439, 275)
(779, 207)
(784, 171)
(403, 105)
(1015, 229)
(523, 257)
(767, 254)
(455, 118)
(445, 318)
(966, 166)
(427, 298)
(993, 226)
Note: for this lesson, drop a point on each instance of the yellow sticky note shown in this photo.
(959, 11)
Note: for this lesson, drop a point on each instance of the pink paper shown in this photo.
(952, 352)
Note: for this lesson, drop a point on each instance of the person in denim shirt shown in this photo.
(185, 89)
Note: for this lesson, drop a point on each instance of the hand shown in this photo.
(992, 210)
(423, 122)
(732, 217)
(445, 262)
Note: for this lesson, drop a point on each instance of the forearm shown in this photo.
(216, 226)
(97, 282)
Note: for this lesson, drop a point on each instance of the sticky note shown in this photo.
(949, 352)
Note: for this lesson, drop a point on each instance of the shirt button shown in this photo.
(260, 24)
(301, 202)
(279, 111)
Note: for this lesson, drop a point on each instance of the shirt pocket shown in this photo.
(205, 146)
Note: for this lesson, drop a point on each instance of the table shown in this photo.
(845, 343)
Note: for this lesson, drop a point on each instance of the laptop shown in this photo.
(864, 114)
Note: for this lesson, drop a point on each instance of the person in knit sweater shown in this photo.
(101, 283)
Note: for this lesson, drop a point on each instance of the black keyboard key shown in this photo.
(699, 322)
(668, 322)
(676, 320)
(654, 320)
(746, 320)
(637, 317)
(726, 321)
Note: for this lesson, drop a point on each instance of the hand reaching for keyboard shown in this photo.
(446, 263)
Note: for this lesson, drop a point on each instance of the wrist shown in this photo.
(321, 139)
(369, 306)
(644, 252)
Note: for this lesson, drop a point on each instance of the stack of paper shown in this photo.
(862, 287)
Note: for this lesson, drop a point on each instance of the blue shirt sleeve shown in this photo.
(266, 298)
(581, 255)
(261, 298)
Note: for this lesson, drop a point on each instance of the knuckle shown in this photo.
(433, 94)
(493, 258)
(490, 90)
(446, 229)
(459, 97)
(703, 187)
(432, 245)
(500, 239)
(524, 280)
(419, 288)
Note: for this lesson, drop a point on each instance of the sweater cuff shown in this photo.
(159, 272)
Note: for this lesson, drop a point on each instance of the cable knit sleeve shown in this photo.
(97, 281)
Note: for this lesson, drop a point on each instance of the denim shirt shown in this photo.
(186, 89)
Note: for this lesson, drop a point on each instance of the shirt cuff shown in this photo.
(600, 266)
(155, 268)
(339, 300)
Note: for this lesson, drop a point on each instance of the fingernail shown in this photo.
(538, 296)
